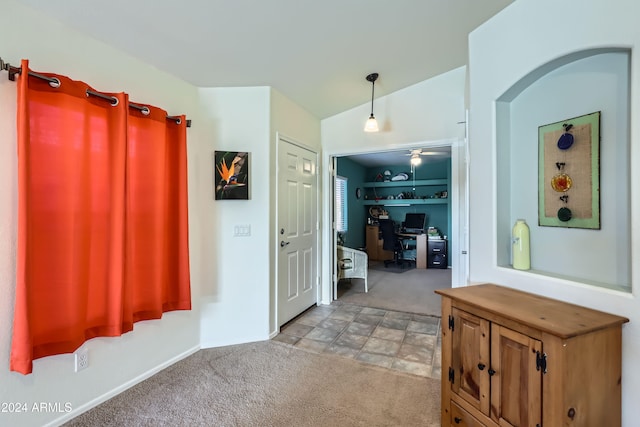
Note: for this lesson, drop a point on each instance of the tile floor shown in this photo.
(395, 340)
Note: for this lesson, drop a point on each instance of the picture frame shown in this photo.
(231, 175)
(569, 173)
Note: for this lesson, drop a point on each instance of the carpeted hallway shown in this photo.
(391, 379)
(271, 384)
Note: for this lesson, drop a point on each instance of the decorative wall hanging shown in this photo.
(231, 175)
(569, 173)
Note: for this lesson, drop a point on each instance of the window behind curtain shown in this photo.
(342, 223)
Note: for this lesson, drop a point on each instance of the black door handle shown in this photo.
(457, 420)
(481, 366)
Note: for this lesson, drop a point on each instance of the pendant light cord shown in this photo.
(372, 78)
(373, 85)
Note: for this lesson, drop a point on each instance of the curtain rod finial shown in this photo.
(5, 66)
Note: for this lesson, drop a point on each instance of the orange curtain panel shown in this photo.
(156, 226)
(102, 217)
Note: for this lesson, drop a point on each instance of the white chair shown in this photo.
(353, 264)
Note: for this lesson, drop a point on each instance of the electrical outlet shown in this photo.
(81, 359)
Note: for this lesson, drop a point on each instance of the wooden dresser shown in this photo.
(511, 358)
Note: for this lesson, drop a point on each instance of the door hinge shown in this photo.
(451, 322)
(541, 362)
(451, 375)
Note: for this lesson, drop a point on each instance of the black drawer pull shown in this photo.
(457, 420)
(491, 372)
(481, 366)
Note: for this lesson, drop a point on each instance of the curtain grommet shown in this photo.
(55, 83)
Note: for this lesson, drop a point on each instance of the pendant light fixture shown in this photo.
(372, 123)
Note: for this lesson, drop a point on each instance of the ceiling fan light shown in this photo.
(415, 159)
(371, 125)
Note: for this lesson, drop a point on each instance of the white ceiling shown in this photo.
(399, 157)
(315, 53)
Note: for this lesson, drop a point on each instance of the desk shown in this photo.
(421, 247)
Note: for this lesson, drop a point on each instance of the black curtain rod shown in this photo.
(53, 81)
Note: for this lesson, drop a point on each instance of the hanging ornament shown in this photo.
(566, 139)
(561, 182)
(564, 214)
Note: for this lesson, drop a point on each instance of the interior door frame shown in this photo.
(276, 240)
(458, 249)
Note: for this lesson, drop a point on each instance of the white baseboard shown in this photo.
(108, 395)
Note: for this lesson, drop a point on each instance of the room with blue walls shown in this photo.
(433, 200)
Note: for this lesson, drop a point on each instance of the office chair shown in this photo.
(390, 241)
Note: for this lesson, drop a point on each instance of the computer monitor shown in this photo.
(415, 222)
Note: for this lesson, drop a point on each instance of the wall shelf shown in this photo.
(408, 184)
(404, 202)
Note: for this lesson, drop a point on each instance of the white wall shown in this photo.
(113, 362)
(519, 40)
(429, 112)
(235, 298)
(238, 303)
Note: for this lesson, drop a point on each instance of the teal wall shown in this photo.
(356, 175)
(438, 215)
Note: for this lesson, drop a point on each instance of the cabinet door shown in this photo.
(470, 359)
(516, 387)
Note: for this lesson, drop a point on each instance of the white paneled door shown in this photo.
(297, 230)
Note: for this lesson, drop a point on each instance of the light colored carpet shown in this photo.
(271, 384)
(392, 268)
(411, 291)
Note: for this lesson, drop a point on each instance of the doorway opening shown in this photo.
(386, 185)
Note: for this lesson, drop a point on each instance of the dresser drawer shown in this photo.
(461, 418)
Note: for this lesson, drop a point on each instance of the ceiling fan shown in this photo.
(417, 152)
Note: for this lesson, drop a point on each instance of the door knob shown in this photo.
(283, 244)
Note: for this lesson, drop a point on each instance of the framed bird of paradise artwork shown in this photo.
(231, 175)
